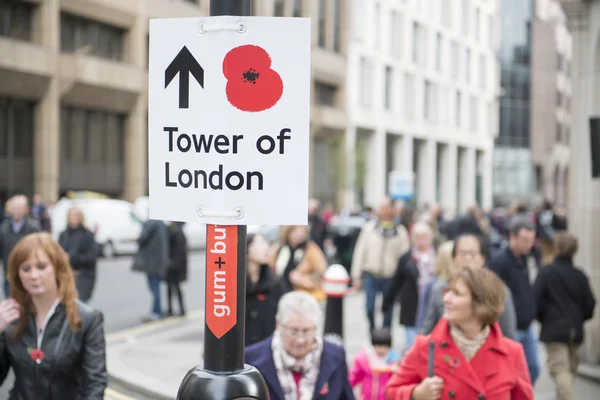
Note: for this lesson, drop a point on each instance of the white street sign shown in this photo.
(401, 184)
(228, 123)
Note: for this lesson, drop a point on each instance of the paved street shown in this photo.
(123, 297)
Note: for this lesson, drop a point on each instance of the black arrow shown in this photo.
(184, 64)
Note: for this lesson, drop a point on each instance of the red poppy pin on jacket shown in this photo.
(324, 389)
(36, 355)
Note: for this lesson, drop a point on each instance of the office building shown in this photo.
(73, 92)
(531, 155)
(423, 88)
(584, 190)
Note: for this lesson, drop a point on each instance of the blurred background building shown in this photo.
(423, 87)
(531, 156)
(584, 190)
(73, 98)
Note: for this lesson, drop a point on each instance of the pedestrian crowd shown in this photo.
(470, 289)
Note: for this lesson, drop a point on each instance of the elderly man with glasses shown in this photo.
(295, 361)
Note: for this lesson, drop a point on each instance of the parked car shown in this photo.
(195, 232)
(114, 223)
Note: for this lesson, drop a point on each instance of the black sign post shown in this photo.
(224, 376)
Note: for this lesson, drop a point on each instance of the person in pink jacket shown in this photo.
(374, 366)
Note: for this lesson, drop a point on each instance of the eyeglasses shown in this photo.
(296, 332)
(465, 254)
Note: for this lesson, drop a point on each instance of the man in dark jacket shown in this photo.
(565, 301)
(13, 229)
(513, 265)
(152, 258)
(318, 227)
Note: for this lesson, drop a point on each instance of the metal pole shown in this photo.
(230, 7)
(224, 375)
(226, 354)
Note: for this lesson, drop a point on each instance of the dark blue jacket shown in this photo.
(515, 273)
(333, 373)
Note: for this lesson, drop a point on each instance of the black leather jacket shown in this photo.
(76, 371)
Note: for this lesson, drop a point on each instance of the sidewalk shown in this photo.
(153, 360)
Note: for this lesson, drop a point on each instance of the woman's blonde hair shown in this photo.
(285, 231)
(65, 280)
(79, 212)
(444, 267)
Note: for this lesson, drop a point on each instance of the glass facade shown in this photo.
(512, 165)
(515, 76)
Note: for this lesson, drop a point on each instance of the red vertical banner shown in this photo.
(221, 278)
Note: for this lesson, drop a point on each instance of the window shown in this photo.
(15, 19)
(558, 99)
(279, 8)
(474, 112)
(419, 48)
(322, 23)
(447, 11)
(93, 136)
(366, 76)
(482, 71)
(477, 23)
(16, 127)
(455, 59)
(429, 103)
(465, 17)
(94, 38)
(297, 8)
(388, 87)
(397, 24)
(468, 65)
(337, 26)
(325, 94)
(377, 23)
(558, 132)
(458, 109)
(409, 94)
(438, 52)
(492, 31)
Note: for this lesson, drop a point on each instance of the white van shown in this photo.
(114, 222)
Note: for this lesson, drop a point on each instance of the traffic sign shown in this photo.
(401, 185)
(229, 139)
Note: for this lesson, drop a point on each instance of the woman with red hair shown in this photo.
(53, 342)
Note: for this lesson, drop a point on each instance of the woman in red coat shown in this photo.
(472, 360)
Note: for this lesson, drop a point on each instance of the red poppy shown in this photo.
(261, 297)
(252, 85)
(37, 355)
(324, 390)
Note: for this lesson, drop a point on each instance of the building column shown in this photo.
(427, 171)
(350, 192)
(136, 135)
(468, 173)
(46, 150)
(584, 210)
(449, 178)
(376, 175)
(486, 168)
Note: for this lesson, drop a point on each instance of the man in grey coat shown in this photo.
(152, 258)
(468, 251)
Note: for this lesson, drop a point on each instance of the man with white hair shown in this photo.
(295, 361)
(13, 229)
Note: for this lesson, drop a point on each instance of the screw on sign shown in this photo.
(221, 273)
